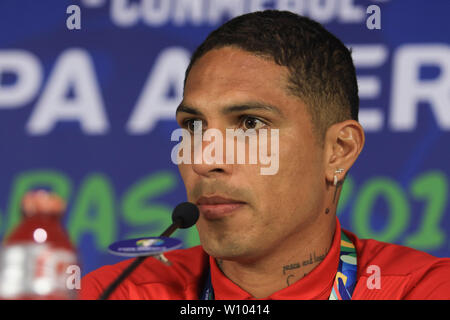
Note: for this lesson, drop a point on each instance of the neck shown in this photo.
(284, 264)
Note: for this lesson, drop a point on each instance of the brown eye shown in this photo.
(252, 123)
(191, 124)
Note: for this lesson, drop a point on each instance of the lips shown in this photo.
(217, 207)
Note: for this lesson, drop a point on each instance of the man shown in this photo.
(276, 236)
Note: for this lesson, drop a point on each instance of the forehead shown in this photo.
(227, 74)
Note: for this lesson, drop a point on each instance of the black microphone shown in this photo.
(184, 216)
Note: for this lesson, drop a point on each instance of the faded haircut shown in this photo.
(321, 69)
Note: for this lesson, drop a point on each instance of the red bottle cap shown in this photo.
(42, 202)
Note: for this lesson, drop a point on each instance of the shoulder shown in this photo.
(152, 279)
(417, 274)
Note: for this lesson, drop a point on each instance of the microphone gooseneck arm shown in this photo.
(171, 229)
(184, 216)
(132, 266)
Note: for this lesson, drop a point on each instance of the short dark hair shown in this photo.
(321, 70)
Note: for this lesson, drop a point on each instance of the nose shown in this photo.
(209, 154)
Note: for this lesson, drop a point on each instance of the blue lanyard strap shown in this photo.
(344, 281)
(208, 291)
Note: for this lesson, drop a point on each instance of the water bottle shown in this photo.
(37, 259)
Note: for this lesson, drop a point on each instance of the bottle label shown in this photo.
(35, 271)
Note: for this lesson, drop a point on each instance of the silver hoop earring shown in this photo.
(335, 182)
(335, 178)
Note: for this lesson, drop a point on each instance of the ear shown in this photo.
(344, 142)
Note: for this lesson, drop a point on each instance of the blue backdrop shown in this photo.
(89, 112)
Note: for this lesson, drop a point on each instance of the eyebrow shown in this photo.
(233, 108)
(184, 108)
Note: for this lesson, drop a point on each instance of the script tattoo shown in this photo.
(291, 266)
(287, 279)
(314, 258)
(319, 258)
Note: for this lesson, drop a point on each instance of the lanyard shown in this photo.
(344, 281)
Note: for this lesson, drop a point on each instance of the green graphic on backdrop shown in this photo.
(94, 212)
(95, 209)
(430, 189)
(145, 214)
(392, 193)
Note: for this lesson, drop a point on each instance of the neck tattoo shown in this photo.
(289, 269)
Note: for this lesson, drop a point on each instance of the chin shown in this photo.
(229, 249)
(222, 248)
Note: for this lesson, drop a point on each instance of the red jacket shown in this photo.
(404, 273)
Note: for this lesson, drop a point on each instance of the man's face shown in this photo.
(229, 88)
